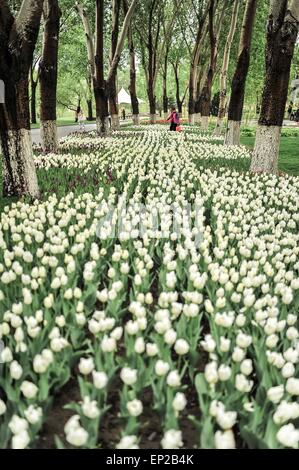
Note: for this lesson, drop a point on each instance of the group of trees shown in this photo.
(205, 45)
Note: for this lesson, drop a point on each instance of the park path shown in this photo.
(63, 131)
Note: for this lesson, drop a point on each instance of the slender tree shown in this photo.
(282, 33)
(48, 69)
(89, 96)
(149, 44)
(224, 68)
(34, 77)
(179, 100)
(164, 75)
(195, 60)
(112, 91)
(215, 25)
(236, 104)
(103, 88)
(132, 84)
(18, 36)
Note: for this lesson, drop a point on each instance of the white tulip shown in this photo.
(288, 436)
(226, 420)
(128, 376)
(127, 442)
(179, 402)
(77, 437)
(90, 408)
(2, 407)
(17, 424)
(152, 349)
(172, 439)
(173, 379)
(275, 394)
(86, 365)
(225, 440)
(181, 347)
(224, 373)
(135, 407)
(28, 389)
(20, 440)
(288, 370)
(211, 373)
(292, 386)
(16, 370)
(161, 368)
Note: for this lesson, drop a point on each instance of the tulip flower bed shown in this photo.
(155, 304)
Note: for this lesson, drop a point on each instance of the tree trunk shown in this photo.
(113, 106)
(89, 109)
(282, 34)
(18, 39)
(191, 103)
(132, 85)
(89, 99)
(33, 101)
(100, 86)
(19, 175)
(195, 60)
(165, 96)
(224, 69)
(111, 83)
(48, 69)
(177, 84)
(152, 104)
(214, 33)
(150, 61)
(201, 78)
(105, 89)
(239, 80)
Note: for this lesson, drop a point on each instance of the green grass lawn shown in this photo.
(289, 153)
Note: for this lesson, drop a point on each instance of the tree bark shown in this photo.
(236, 104)
(18, 37)
(152, 62)
(48, 70)
(111, 84)
(132, 84)
(100, 90)
(214, 33)
(33, 86)
(165, 96)
(104, 90)
(177, 84)
(224, 69)
(89, 110)
(89, 98)
(193, 75)
(282, 33)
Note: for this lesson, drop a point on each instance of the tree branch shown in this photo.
(121, 40)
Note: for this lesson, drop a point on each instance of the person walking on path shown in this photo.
(81, 120)
(174, 119)
(290, 111)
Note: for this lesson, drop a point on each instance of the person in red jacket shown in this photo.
(174, 119)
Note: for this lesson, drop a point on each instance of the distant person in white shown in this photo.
(81, 120)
